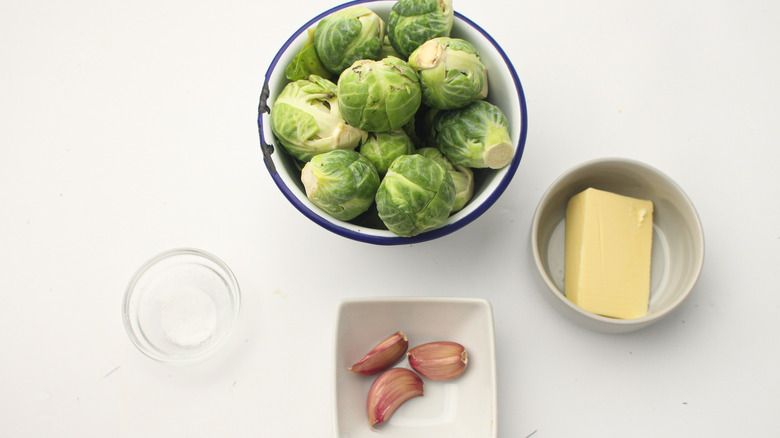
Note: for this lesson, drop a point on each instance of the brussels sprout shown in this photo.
(451, 73)
(415, 195)
(348, 35)
(388, 50)
(476, 135)
(381, 148)
(462, 176)
(413, 22)
(306, 120)
(342, 182)
(306, 62)
(424, 125)
(410, 129)
(379, 96)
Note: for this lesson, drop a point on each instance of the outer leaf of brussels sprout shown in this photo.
(424, 125)
(413, 22)
(343, 183)
(388, 50)
(382, 148)
(306, 62)
(475, 136)
(462, 177)
(410, 128)
(348, 35)
(415, 195)
(451, 73)
(379, 96)
(306, 120)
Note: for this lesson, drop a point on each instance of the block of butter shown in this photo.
(609, 240)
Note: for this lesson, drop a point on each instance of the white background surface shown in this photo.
(128, 128)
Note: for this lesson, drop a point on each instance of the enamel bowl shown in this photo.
(505, 91)
(678, 238)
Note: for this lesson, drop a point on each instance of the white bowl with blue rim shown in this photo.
(505, 91)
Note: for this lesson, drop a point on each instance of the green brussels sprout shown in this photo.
(348, 35)
(379, 96)
(306, 120)
(462, 176)
(413, 22)
(381, 148)
(451, 73)
(410, 129)
(423, 121)
(388, 50)
(475, 136)
(306, 62)
(415, 195)
(343, 183)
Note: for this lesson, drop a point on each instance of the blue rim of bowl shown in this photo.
(268, 148)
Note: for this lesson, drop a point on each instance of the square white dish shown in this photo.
(462, 407)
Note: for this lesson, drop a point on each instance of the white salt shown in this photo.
(188, 316)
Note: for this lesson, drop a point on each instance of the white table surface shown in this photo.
(129, 128)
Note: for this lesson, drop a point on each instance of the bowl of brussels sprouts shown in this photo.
(392, 121)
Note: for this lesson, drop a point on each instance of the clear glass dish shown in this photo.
(181, 306)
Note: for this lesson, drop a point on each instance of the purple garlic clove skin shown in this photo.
(443, 360)
(389, 391)
(386, 354)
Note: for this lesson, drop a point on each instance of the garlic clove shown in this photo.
(386, 354)
(442, 360)
(389, 391)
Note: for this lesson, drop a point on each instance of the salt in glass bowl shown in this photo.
(181, 306)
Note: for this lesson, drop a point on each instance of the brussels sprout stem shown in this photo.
(308, 179)
(498, 149)
(429, 54)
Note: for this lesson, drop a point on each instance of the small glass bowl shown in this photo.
(181, 306)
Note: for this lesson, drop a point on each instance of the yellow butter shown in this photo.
(609, 240)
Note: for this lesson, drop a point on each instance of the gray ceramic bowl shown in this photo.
(678, 239)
